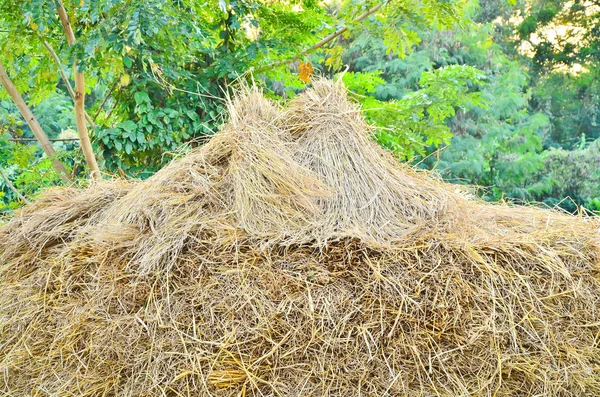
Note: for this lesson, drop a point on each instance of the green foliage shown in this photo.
(54, 113)
(163, 66)
(572, 103)
(134, 144)
(505, 149)
(29, 172)
(578, 41)
(408, 125)
(23, 161)
(575, 176)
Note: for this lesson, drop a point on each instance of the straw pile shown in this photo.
(291, 256)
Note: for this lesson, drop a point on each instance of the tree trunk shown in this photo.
(86, 145)
(36, 128)
(84, 137)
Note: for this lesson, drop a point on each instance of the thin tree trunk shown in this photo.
(86, 144)
(84, 137)
(36, 128)
(12, 187)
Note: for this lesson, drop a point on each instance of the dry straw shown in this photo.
(291, 256)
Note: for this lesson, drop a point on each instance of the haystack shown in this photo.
(291, 256)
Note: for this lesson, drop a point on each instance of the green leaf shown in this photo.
(127, 61)
(141, 97)
(128, 126)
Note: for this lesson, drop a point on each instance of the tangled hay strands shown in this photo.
(56, 218)
(200, 282)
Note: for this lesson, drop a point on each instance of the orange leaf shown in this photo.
(306, 70)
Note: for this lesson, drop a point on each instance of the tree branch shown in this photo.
(66, 79)
(64, 20)
(110, 90)
(325, 40)
(13, 188)
(34, 139)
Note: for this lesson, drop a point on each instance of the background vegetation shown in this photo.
(497, 93)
